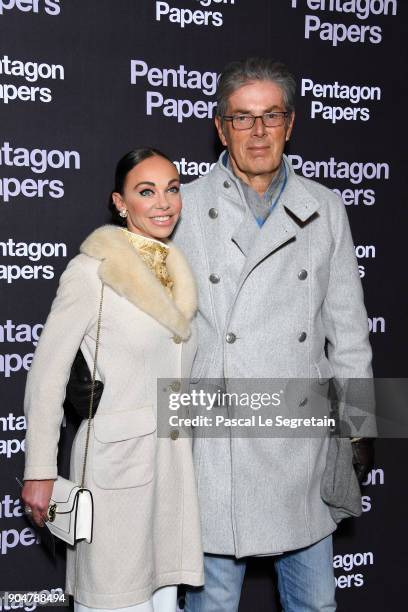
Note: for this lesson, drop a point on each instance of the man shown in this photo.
(279, 297)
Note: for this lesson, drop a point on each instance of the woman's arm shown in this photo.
(73, 313)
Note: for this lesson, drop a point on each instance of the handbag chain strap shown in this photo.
(91, 401)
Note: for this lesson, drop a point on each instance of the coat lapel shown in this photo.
(243, 236)
(124, 271)
(295, 208)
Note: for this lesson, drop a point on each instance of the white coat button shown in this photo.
(177, 340)
(213, 213)
(227, 184)
(230, 338)
(175, 386)
(174, 434)
(214, 278)
(302, 337)
(302, 274)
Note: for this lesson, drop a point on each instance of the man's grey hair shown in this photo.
(236, 74)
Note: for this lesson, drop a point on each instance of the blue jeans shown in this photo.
(305, 581)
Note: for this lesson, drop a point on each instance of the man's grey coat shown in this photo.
(284, 291)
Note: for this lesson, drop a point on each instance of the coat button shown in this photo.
(230, 338)
(303, 402)
(177, 340)
(174, 434)
(175, 386)
(226, 184)
(213, 213)
(302, 274)
(214, 278)
(302, 337)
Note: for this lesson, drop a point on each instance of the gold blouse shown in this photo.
(154, 254)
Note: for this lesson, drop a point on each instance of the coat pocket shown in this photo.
(324, 370)
(124, 448)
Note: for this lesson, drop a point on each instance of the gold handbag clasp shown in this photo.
(52, 511)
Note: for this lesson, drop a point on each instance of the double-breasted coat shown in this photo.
(146, 524)
(270, 301)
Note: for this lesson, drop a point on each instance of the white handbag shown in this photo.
(70, 511)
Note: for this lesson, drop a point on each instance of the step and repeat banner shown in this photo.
(84, 81)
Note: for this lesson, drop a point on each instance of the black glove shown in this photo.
(79, 386)
(363, 457)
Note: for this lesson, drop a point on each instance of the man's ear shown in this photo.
(219, 126)
(289, 129)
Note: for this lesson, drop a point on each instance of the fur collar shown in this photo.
(125, 272)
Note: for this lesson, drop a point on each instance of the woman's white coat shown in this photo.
(146, 529)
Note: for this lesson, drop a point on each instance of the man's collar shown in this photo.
(296, 197)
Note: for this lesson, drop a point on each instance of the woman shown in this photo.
(146, 533)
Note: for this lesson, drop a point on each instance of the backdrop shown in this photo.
(84, 81)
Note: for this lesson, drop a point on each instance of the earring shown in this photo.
(123, 213)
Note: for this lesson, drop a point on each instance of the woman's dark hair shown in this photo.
(123, 167)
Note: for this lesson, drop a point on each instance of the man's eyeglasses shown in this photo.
(246, 122)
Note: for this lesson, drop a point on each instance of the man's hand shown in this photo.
(36, 496)
(363, 457)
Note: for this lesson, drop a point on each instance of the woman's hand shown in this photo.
(36, 495)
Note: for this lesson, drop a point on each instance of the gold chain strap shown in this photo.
(91, 401)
